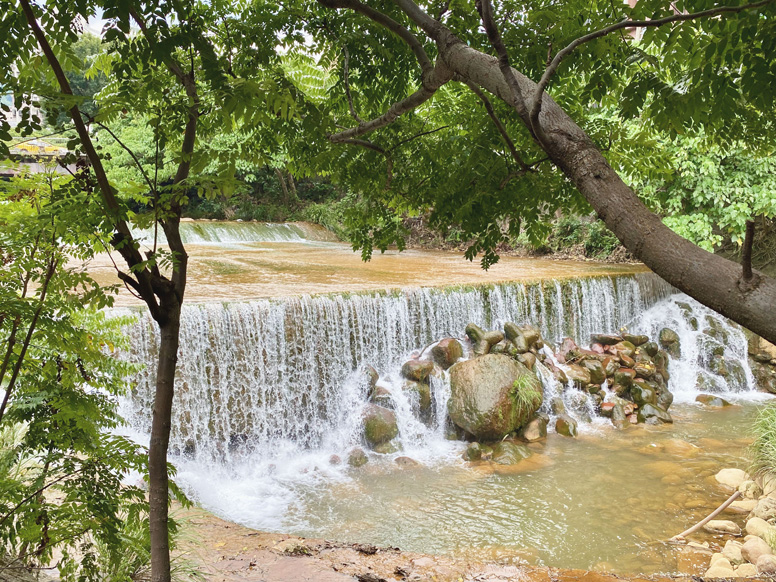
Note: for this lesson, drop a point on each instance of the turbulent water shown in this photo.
(269, 390)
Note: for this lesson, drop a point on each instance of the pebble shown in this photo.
(723, 526)
(754, 549)
(731, 478)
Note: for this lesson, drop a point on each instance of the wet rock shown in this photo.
(567, 347)
(557, 406)
(651, 414)
(527, 359)
(417, 370)
(566, 426)
(750, 490)
(476, 334)
(731, 478)
(447, 352)
(636, 340)
(535, 430)
(610, 365)
(644, 370)
(665, 399)
(710, 400)
(372, 377)
(723, 526)
(642, 394)
(473, 452)
(357, 457)
(732, 551)
(742, 506)
(593, 389)
(624, 377)
(754, 548)
(619, 417)
(492, 396)
(421, 393)
(406, 462)
(718, 366)
(624, 349)
(379, 425)
(607, 408)
(766, 564)
(386, 448)
(765, 509)
(605, 339)
(579, 375)
(382, 396)
(756, 526)
(335, 460)
(510, 453)
(669, 341)
(627, 361)
(661, 364)
(651, 348)
(736, 375)
(764, 376)
(596, 371)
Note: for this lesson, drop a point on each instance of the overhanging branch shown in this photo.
(536, 101)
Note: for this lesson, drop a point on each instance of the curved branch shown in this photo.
(387, 22)
(536, 101)
(437, 77)
(500, 126)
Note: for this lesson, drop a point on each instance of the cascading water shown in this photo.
(200, 232)
(270, 393)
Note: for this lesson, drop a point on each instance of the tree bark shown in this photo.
(158, 480)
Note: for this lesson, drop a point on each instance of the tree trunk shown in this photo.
(169, 327)
(714, 281)
(283, 186)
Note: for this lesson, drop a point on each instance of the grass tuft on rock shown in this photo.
(763, 450)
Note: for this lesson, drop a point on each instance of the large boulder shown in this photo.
(566, 426)
(492, 396)
(379, 425)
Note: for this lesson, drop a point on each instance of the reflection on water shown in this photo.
(601, 500)
(227, 272)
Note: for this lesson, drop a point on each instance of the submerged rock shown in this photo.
(492, 396)
(723, 526)
(731, 477)
(379, 425)
(406, 462)
(510, 453)
(710, 400)
(473, 452)
(357, 457)
(651, 414)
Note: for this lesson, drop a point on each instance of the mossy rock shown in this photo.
(596, 369)
(417, 370)
(651, 414)
(605, 339)
(379, 425)
(636, 340)
(669, 341)
(387, 448)
(421, 393)
(579, 375)
(624, 377)
(713, 401)
(357, 457)
(492, 396)
(510, 453)
(566, 426)
(447, 352)
(642, 394)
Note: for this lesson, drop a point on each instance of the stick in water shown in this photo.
(707, 519)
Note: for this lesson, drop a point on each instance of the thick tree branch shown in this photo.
(389, 23)
(536, 101)
(485, 9)
(500, 126)
(433, 81)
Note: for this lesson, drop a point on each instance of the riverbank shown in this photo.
(226, 552)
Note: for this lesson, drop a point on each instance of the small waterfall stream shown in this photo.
(269, 393)
(226, 232)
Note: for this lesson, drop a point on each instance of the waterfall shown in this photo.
(199, 232)
(259, 375)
